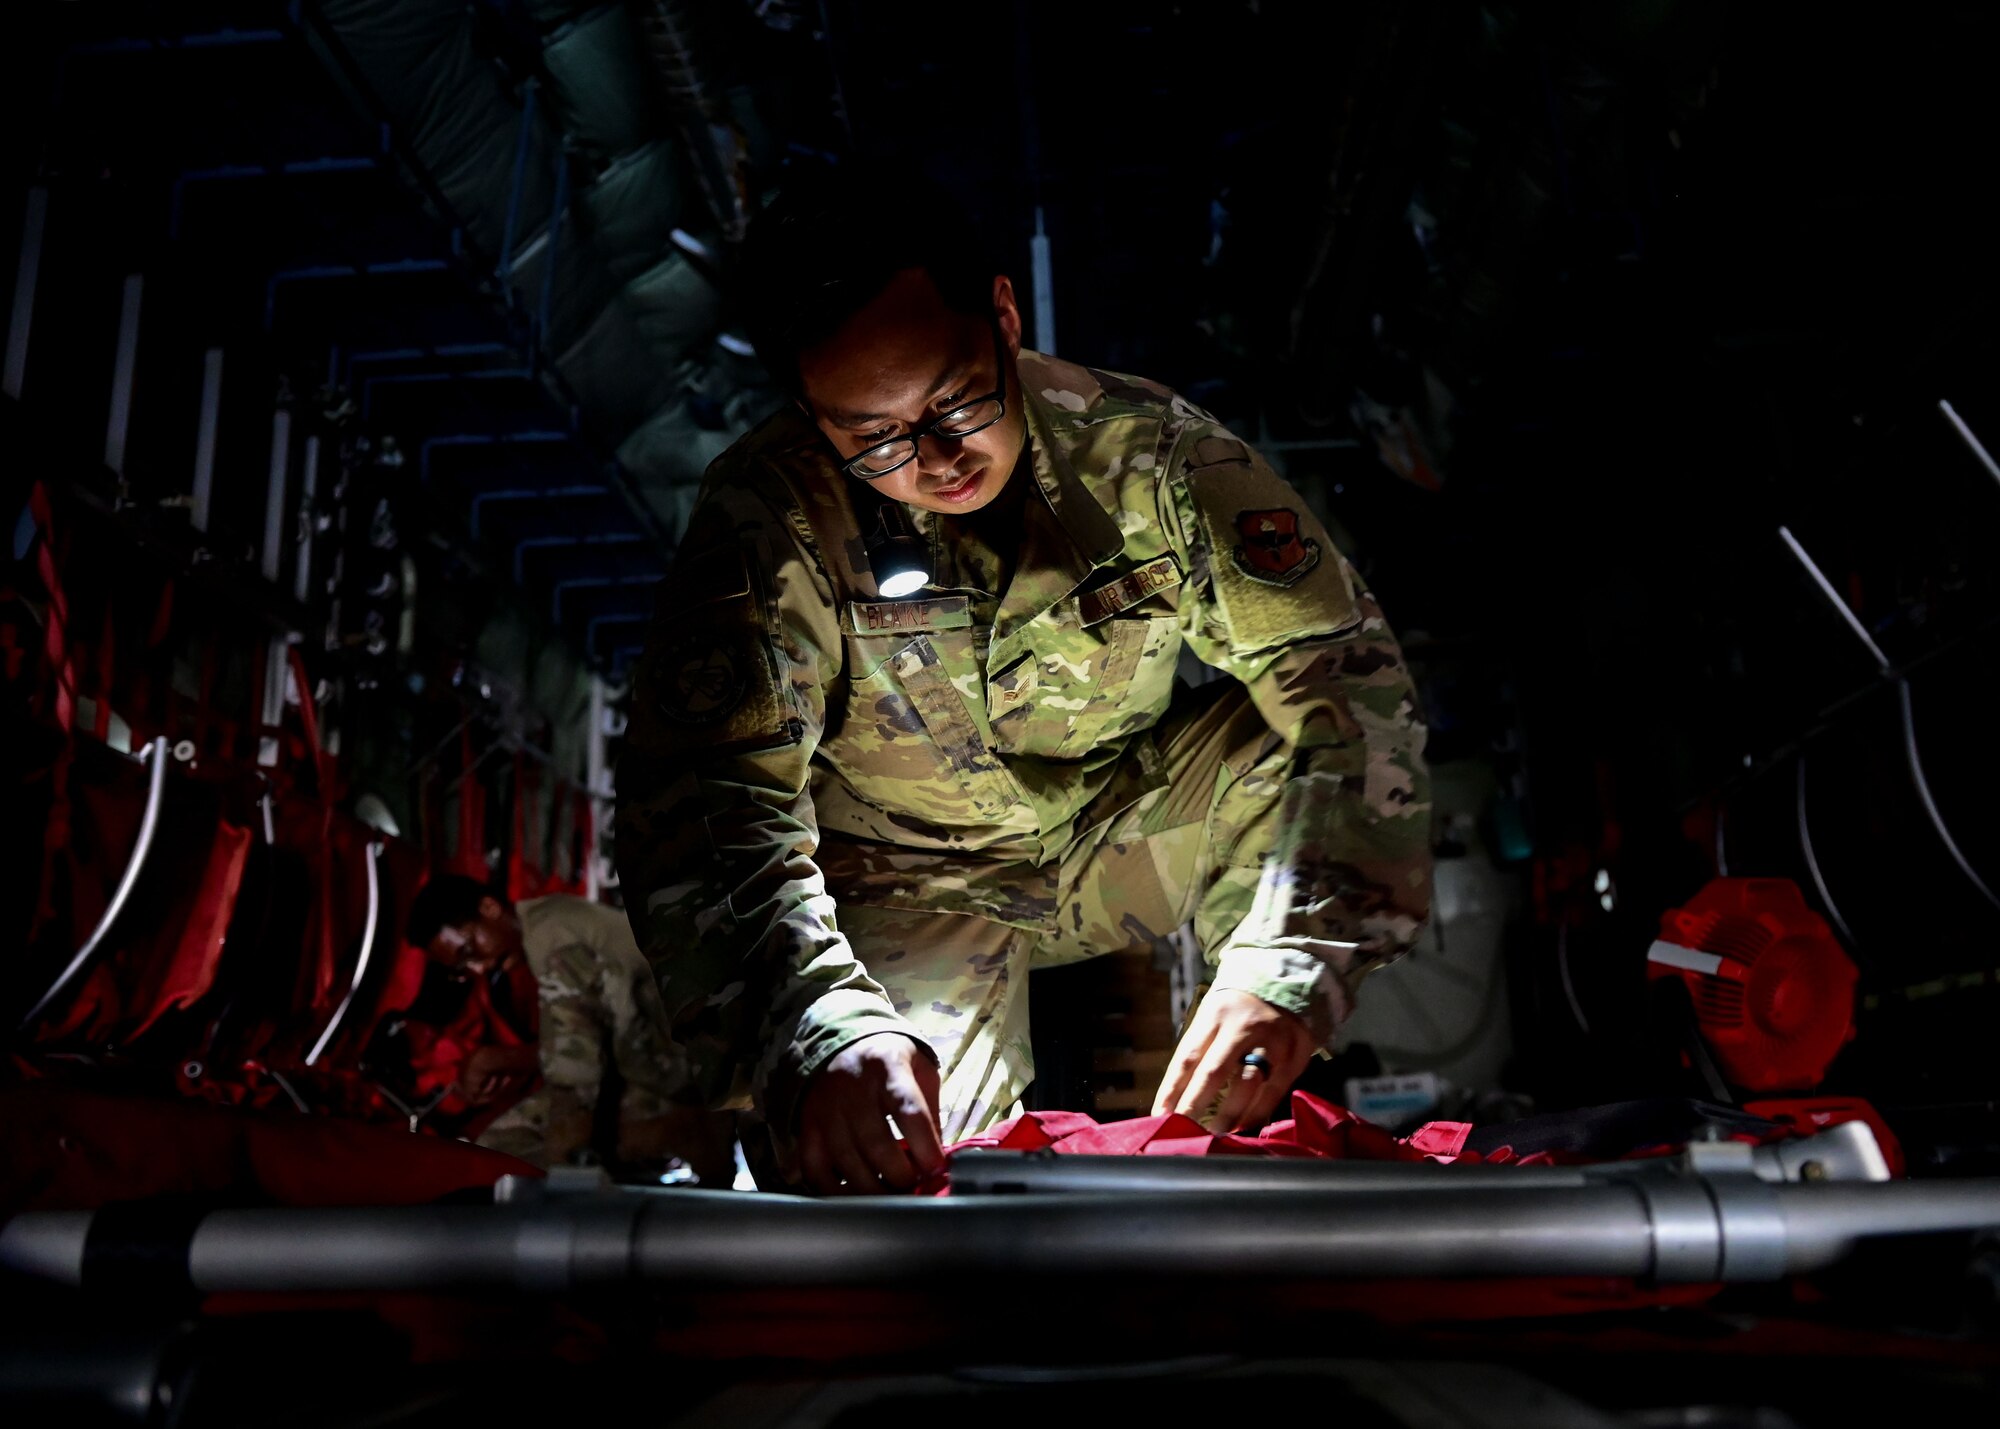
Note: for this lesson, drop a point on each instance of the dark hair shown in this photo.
(821, 251)
(449, 900)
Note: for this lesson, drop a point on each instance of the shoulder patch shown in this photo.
(1276, 577)
(1270, 547)
(701, 679)
(711, 672)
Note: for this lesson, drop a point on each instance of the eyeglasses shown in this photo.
(878, 461)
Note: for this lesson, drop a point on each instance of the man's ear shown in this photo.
(490, 909)
(1007, 312)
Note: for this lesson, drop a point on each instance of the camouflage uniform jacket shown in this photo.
(796, 741)
(599, 1008)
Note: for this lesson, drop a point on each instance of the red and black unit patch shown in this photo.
(1271, 549)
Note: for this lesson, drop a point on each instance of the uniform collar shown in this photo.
(1065, 536)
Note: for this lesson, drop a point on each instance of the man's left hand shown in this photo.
(1207, 1079)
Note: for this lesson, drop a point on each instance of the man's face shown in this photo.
(901, 363)
(491, 940)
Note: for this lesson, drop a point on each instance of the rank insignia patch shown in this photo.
(1270, 548)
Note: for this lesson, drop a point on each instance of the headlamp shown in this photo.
(898, 556)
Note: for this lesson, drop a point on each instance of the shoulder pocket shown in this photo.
(712, 672)
(1276, 575)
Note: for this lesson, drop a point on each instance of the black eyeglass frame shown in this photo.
(930, 429)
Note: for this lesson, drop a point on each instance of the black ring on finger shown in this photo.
(1257, 1062)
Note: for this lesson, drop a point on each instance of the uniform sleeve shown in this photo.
(572, 1049)
(653, 1069)
(716, 833)
(1347, 884)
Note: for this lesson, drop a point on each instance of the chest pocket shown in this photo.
(1102, 684)
(909, 742)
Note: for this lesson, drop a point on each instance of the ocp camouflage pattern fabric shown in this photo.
(599, 1010)
(997, 772)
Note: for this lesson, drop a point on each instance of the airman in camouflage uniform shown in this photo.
(599, 1010)
(841, 815)
(597, 1016)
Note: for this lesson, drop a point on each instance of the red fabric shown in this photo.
(55, 643)
(304, 829)
(1322, 1130)
(438, 1054)
(182, 968)
(1317, 1129)
(62, 707)
(65, 1149)
(469, 858)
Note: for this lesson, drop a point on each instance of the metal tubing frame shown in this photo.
(1922, 785)
(308, 519)
(367, 953)
(545, 308)
(558, 589)
(511, 225)
(528, 493)
(537, 543)
(532, 436)
(330, 164)
(313, 25)
(271, 558)
(403, 379)
(156, 787)
(1664, 1229)
(206, 421)
(1811, 853)
(27, 278)
(1840, 607)
(124, 367)
(1913, 757)
(323, 272)
(615, 617)
(1972, 443)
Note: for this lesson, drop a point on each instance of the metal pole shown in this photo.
(308, 520)
(595, 781)
(204, 441)
(361, 962)
(274, 493)
(1667, 1229)
(123, 367)
(34, 222)
(1042, 268)
(1807, 848)
(1833, 598)
(1001, 1173)
(1972, 443)
(156, 786)
(1913, 757)
(277, 676)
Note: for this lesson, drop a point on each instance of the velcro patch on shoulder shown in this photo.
(1277, 576)
(1129, 589)
(711, 671)
(718, 573)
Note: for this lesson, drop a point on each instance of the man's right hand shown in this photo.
(492, 1071)
(844, 1143)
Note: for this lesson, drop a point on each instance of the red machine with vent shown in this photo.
(1773, 992)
